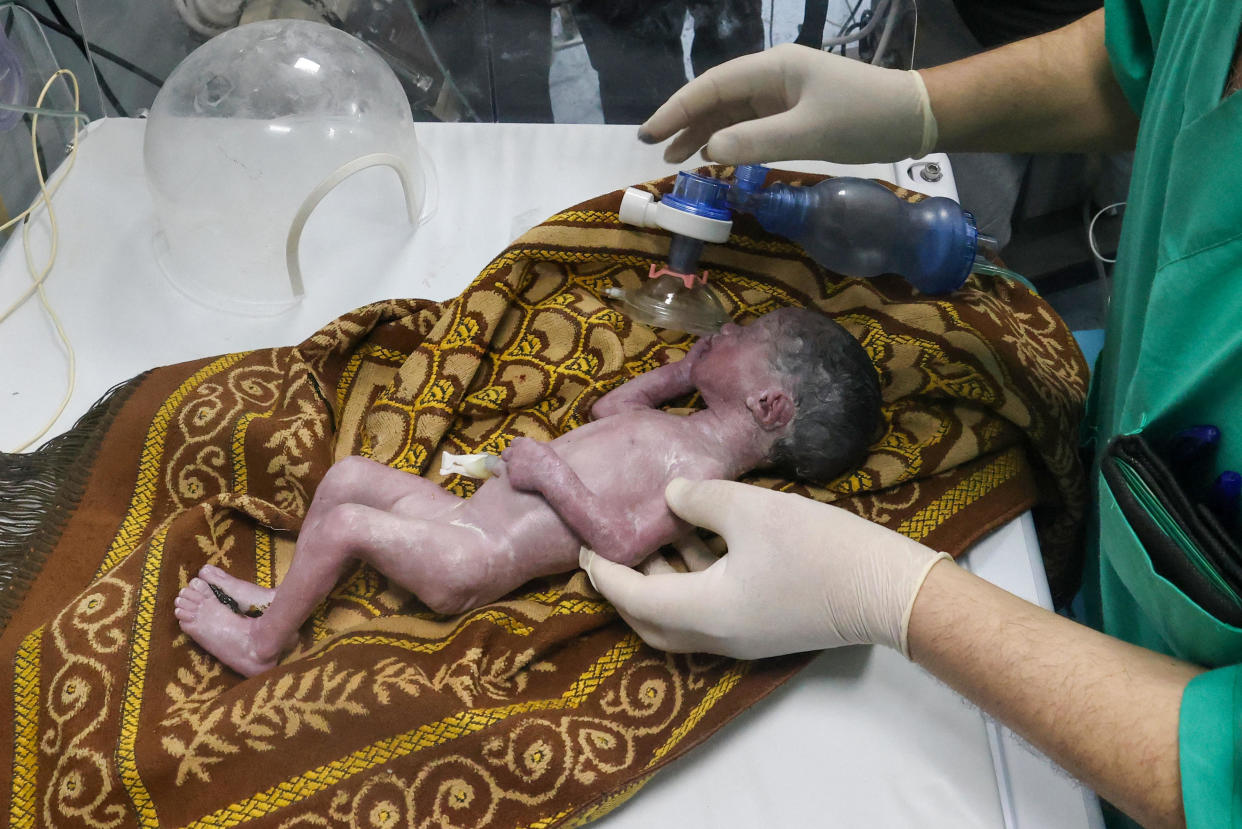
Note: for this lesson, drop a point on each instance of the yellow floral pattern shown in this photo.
(541, 709)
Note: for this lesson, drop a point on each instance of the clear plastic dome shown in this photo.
(245, 137)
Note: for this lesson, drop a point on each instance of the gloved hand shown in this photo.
(796, 102)
(798, 575)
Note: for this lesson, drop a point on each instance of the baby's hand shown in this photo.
(649, 390)
(529, 463)
(605, 406)
(696, 350)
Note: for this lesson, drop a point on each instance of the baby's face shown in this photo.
(737, 361)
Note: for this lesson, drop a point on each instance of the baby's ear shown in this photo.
(771, 408)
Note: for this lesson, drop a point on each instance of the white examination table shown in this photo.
(861, 738)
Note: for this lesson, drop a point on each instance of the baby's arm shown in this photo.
(621, 532)
(651, 388)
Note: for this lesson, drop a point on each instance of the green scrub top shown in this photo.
(1173, 355)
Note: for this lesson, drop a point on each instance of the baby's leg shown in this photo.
(206, 617)
(359, 480)
(447, 565)
(222, 632)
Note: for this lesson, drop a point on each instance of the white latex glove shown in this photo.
(798, 575)
(796, 102)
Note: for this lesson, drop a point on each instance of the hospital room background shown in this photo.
(606, 61)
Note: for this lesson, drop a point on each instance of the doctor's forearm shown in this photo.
(1051, 93)
(1105, 710)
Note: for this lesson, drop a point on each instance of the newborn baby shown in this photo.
(792, 390)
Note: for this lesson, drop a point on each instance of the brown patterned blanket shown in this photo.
(539, 710)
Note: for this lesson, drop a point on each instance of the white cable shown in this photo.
(45, 192)
(1098, 261)
(847, 22)
(890, 22)
(25, 214)
(890, 25)
(1091, 232)
(876, 17)
(914, 39)
(37, 279)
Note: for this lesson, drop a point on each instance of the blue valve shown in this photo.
(700, 196)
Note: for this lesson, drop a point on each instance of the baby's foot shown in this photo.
(222, 633)
(251, 599)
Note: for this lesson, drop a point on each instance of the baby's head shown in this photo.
(805, 380)
(836, 395)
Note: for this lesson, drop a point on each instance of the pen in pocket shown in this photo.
(1190, 452)
(1223, 498)
(1192, 445)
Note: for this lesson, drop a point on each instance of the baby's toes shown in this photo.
(202, 588)
(187, 604)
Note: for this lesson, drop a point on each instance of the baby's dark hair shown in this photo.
(837, 395)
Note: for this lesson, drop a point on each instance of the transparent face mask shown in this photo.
(246, 137)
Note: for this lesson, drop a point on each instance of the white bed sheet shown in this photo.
(860, 738)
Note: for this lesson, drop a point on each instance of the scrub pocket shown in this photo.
(1171, 554)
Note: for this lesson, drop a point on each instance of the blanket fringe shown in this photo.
(39, 491)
